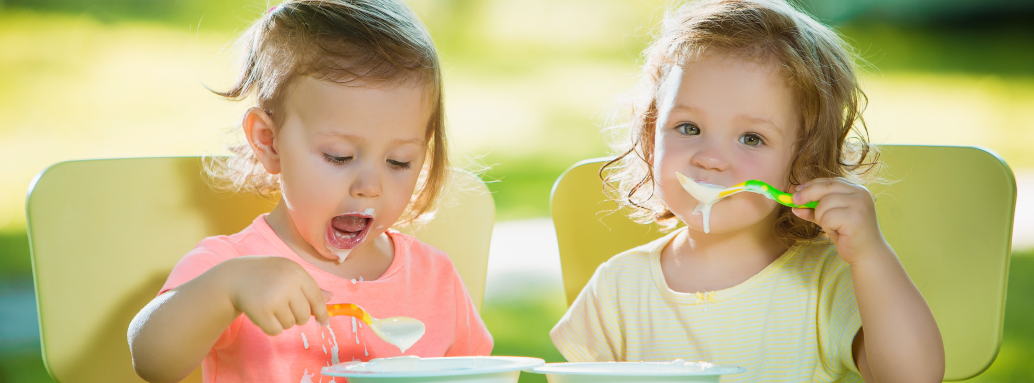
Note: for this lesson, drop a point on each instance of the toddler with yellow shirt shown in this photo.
(736, 90)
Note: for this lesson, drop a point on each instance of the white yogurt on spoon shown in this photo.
(706, 195)
(401, 332)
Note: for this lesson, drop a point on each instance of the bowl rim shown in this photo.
(567, 369)
(517, 363)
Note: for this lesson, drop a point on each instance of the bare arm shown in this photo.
(900, 342)
(170, 336)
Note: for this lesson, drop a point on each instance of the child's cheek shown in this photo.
(770, 170)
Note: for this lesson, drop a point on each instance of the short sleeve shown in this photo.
(472, 337)
(838, 317)
(590, 330)
(207, 254)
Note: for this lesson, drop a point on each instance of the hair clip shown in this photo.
(271, 9)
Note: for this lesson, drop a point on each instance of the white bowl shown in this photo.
(409, 369)
(639, 372)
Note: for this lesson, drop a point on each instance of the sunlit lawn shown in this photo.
(526, 94)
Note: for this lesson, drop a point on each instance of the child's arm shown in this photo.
(170, 336)
(900, 342)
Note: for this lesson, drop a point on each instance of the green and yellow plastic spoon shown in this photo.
(759, 187)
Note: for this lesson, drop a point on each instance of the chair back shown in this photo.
(105, 234)
(946, 211)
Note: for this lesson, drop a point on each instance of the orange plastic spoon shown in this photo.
(401, 332)
(351, 310)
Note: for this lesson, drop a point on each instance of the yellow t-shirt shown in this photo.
(792, 322)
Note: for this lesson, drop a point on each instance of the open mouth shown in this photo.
(347, 231)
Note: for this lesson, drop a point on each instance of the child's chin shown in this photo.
(328, 256)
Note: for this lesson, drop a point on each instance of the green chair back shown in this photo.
(947, 212)
(105, 234)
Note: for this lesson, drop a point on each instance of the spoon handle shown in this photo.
(352, 310)
(777, 195)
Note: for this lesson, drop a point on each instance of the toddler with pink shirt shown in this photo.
(348, 131)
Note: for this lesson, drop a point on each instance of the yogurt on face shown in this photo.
(706, 196)
(341, 254)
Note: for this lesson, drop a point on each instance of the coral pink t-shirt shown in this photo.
(421, 283)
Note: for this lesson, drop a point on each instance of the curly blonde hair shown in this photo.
(358, 42)
(818, 66)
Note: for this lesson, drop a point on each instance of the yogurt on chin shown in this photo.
(341, 254)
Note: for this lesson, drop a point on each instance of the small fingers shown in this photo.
(268, 323)
(818, 215)
(812, 190)
(819, 188)
(804, 213)
(835, 180)
(285, 317)
(300, 309)
(843, 221)
(830, 202)
(317, 301)
(811, 182)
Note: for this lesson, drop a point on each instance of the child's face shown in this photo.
(724, 120)
(349, 159)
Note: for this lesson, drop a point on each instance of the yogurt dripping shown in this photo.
(706, 195)
(340, 253)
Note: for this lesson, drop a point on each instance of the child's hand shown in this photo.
(274, 292)
(846, 212)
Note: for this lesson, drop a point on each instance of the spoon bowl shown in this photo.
(401, 332)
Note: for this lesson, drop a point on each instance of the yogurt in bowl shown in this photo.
(637, 372)
(412, 369)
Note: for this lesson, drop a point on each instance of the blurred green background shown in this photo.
(528, 85)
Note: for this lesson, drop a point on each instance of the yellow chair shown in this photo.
(105, 234)
(948, 214)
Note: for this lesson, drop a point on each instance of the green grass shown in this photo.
(1001, 50)
(520, 328)
(521, 187)
(23, 368)
(14, 255)
(520, 319)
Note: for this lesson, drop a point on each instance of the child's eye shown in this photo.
(335, 159)
(752, 140)
(398, 164)
(688, 128)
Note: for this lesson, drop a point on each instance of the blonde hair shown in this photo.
(361, 42)
(819, 69)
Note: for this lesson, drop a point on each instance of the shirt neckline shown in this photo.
(274, 240)
(709, 296)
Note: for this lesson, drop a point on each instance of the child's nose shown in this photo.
(711, 158)
(368, 183)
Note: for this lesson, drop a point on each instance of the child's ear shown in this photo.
(261, 133)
